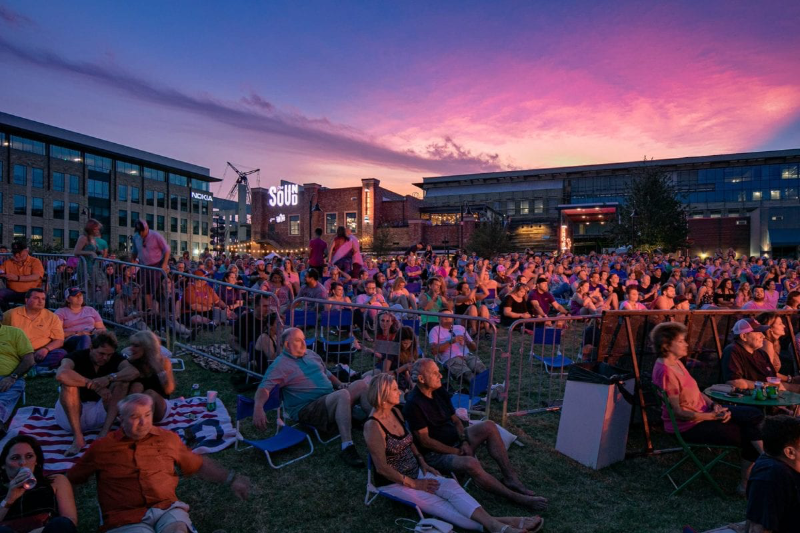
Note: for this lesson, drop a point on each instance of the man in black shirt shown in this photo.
(773, 492)
(257, 328)
(86, 378)
(449, 448)
(745, 361)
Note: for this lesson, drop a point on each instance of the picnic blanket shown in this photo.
(201, 430)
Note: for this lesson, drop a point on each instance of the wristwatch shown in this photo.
(112, 377)
(14, 376)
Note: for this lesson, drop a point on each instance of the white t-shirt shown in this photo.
(439, 335)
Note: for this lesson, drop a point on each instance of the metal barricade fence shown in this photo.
(61, 271)
(356, 339)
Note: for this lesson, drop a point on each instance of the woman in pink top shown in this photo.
(700, 420)
(79, 321)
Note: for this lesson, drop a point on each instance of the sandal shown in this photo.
(538, 527)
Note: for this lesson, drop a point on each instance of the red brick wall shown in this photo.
(710, 234)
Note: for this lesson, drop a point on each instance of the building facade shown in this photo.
(746, 201)
(53, 180)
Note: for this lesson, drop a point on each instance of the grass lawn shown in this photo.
(322, 494)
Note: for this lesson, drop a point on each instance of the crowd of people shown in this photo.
(412, 432)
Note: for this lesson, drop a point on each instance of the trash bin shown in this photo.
(595, 414)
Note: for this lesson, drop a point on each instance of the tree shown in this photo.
(489, 239)
(653, 214)
(381, 240)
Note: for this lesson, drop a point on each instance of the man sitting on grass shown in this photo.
(311, 394)
(450, 448)
(453, 345)
(16, 358)
(42, 326)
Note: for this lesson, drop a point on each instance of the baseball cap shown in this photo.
(72, 291)
(501, 268)
(747, 325)
(541, 279)
(199, 272)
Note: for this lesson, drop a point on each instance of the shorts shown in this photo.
(156, 520)
(150, 280)
(443, 462)
(93, 416)
(316, 414)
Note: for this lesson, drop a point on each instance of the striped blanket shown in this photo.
(202, 431)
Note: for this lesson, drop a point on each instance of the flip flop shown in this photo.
(535, 529)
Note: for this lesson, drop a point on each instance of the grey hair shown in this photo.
(416, 370)
(134, 399)
(286, 334)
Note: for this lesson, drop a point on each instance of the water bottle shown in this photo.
(29, 483)
(196, 390)
(32, 372)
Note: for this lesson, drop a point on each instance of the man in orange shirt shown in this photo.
(21, 272)
(135, 471)
(44, 329)
(200, 300)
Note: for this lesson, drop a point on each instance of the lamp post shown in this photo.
(465, 210)
(446, 248)
(312, 208)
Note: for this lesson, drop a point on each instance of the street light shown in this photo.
(470, 213)
(312, 208)
(446, 248)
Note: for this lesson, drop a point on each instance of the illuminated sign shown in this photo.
(565, 241)
(283, 195)
(201, 196)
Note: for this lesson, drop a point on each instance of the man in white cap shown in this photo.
(745, 361)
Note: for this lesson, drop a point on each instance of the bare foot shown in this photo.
(75, 449)
(533, 523)
(517, 486)
(536, 503)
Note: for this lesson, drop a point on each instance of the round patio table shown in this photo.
(784, 399)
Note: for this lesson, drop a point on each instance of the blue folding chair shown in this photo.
(413, 323)
(303, 318)
(285, 436)
(550, 341)
(342, 349)
(373, 492)
(479, 385)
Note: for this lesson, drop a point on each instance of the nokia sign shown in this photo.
(201, 196)
(283, 195)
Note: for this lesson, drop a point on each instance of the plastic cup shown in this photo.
(211, 403)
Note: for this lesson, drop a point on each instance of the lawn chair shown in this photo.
(549, 339)
(373, 492)
(343, 349)
(479, 385)
(704, 470)
(285, 436)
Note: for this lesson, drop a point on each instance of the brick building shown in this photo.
(53, 180)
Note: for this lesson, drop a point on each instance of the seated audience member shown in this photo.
(400, 295)
(725, 296)
(311, 394)
(758, 301)
(42, 327)
(582, 302)
(232, 297)
(365, 318)
(47, 507)
(544, 298)
(632, 302)
(743, 295)
(452, 345)
(750, 357)
(203, 306)
(700, 420)
(682, 303)
(517, 306)
(705, 294)
(16, 358)
(771, 294)
(313, 288)
(468, 302)
(337, 275)
(667, 298)
(79, 321)
(135, 469)
(398, 362)
(432, 300)
(773, 498)
(402, 472)
(793, 300)
(129, 308)
(86, 378)
(278, 286)
(257, 328)
(21, 273)
(450, 448)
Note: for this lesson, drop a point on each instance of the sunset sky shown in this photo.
(333, 92)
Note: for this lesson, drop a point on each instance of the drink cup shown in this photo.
(29, 483)
(211, 404)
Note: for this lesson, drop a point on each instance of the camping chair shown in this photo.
(285, 436)
(373, 492)
(549, 339)
(342, 348)
(704, 470)
(477, 386)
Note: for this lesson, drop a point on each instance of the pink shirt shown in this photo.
(77, 322)
(681, 384)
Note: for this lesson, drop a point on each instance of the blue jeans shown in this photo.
(9, 399)
(562, 290)
(74, 343)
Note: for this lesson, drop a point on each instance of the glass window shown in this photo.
(122, 243)
(1, 210)
(511, 207)
(74, 212)
(195, 248)
(27, 145)
(20, 204)
(775, 194)
(37, 178)
(294, 224)
(184, 246)
(128, 168)
(98, 163)
(538, 206)
(756, 196)
(177, 179)
(20, 232)
(184, 225)
(20, 175)
(122, 193)
(37, 207)
(173, 202)
(195, 227)
(160, 222)
(134, 218)
(150, 219)
(58, 181)
(67, 154)
(149, 197)
(58, 237)
(330, 223)
(789, 172)
(37, 236)
(199, 185)
(524, 207)
(153, 174)
(173, 247)
(135, 195)
(351, 221)
(74, 184)
(160, 199)
(123, 218)
(205, 228)
(204, 207)
(73, 237)
(97, 189)
(173, 224)
(184, 204)
(195, 206)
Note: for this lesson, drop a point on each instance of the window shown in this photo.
(128, 168)
(1, 210)
(67, 154)
(58, 237)
(195, 227)
(122, 193)
(173, 247)
(134, 218)
(27, 145)
(20, 204)
(123, 218)
(122, 242)
(20, 232)
(135, 195)
(97, 189)
(150, 219)
(538, 206)
(98, 163)
(351, 221)
(73, 237)
(58, 181)
(184, 226)
(294, 224)
(756, 196)
(58, 210)
(330, 223)
(74, 212)
(184, 246)
(20, 175)
(524, 207)
(205, 228)
(37, 177)
(74, 184)
(775, 194)
(173, 224)
(149, 197)
(777, 217)
(184, 204)
(204, 207)
(195, 248)
(199, 185)
(177, 179)
(153, 174)
(173, 202)
(195, 206)
(160, 199)
(511, 207)
(37, 236)
(37, 207)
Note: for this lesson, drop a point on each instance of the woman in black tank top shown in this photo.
(147, 371)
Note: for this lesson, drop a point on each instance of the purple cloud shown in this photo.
(12, 18)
